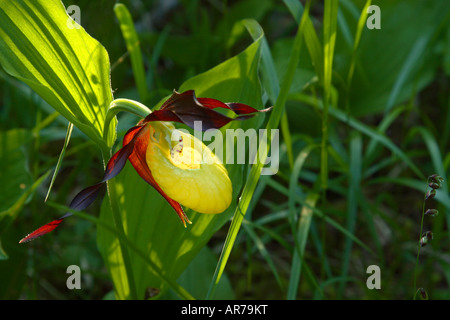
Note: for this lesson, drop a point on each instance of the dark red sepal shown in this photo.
(42, 230)
(236, 107)
(186, 108)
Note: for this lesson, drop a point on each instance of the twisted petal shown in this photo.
(186, 108)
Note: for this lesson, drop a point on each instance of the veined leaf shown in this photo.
(43, 47)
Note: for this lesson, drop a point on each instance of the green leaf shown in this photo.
(41, 46)
(397, 60)
(311, 39)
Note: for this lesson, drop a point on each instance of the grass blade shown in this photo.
(351, 70)
(132, 42)
(61, 157)
(411, 61)
(311, 39)
(263, 251)
(301, 238)
(329, 38)
(255, 172)
(283, 190)
(299, 232)
(354, 172)
(364, 129)
(271, 84)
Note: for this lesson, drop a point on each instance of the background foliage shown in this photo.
(386, 114)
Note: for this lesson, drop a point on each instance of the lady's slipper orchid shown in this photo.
(179, 166)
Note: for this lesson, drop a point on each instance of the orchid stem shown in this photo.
(115, 209)
(141, 110)
(127, 105)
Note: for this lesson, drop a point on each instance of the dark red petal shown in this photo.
(139, 162)
(161, 115)
(238, 108)
(84, 198)
(42, 230)
(186, 108)
(119, 159)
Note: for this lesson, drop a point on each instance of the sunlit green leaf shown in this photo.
(41, 46)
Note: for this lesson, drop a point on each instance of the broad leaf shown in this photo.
(43, 47)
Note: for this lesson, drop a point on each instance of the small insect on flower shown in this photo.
(178, 165)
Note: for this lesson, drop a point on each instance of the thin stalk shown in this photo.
(329, 36)
(287, 139)
(141, 110)
(115, 209)
(419, 244)
(127, 105)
